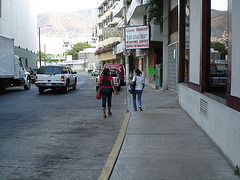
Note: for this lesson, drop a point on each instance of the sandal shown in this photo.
(104, 116)
(109, 113)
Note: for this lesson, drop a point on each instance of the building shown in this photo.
(147, 57)
(186, 70)
(186, 61)
(18, 20)
(105, 53)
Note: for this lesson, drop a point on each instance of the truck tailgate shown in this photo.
(43, 78)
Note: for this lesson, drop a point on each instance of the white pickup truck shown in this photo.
(116, 80)
(55, 77)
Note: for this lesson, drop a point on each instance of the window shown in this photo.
(217, 72)
(187, 38)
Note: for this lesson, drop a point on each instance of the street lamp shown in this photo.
(40, 42)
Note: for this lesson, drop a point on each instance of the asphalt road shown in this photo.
(57, 135)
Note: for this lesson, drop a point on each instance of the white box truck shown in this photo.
(12, 72)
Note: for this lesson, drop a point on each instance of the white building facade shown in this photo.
(186, 70)
(18, 20)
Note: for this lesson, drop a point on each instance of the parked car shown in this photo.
(55, 77)
(95, 72)
(119, 69)
(116, 80)
(218, 78)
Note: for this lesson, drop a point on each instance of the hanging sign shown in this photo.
(112, 32)
(137, 37)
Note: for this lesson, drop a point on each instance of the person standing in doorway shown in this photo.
(107, 86)
(139, 86)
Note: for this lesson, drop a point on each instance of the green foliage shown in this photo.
(42, 56)
(76, 48)
(220, 47)
(128, 2)
(155, 11)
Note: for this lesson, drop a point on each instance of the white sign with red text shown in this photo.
(137, 37)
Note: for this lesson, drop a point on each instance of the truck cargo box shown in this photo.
(6, 57)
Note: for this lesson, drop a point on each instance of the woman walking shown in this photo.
(139, 81)
(107, 86)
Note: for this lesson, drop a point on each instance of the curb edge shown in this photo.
(112, 158)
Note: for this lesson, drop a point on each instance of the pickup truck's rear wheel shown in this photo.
(28, 84)
(66, 89)
(41, 90)
(75, 84)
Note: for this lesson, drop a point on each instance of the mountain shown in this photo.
(71, 26)
(219, 23)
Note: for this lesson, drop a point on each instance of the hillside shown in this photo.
(76, 25)
(219, 23)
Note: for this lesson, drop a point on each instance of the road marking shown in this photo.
(108, 168)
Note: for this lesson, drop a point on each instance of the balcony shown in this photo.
(118, 10)
(136, 9)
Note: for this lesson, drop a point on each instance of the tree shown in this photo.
(220, 47)
(155, 11)
(76, 48)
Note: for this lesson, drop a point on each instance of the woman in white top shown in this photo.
(138, 89)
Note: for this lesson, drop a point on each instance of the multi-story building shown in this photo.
(106, 19)
(145, 59)
(18, 20)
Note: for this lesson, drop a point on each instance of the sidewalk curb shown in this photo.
(108, 168)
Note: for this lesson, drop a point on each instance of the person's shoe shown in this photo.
(109, 113)
(104, 116)
(140, 108)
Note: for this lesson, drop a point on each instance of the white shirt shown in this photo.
(139, 82)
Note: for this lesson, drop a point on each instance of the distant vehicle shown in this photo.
(33, 75)
(55, 77)
(116, 80)
(12, 71)
(119, 69)
(218, 78)
(96, 72)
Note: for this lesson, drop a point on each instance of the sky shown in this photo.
(43, 6)
(219, 4)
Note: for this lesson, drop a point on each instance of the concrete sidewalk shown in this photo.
(163, 142)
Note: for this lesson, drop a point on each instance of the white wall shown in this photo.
(222, 124)
(235, 85)
(19, 21)
(195, 41)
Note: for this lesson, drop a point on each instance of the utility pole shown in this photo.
(126, 57)
(39, 47)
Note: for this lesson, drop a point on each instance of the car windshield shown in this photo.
(50, 70)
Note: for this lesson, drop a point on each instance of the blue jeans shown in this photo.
(139, 94)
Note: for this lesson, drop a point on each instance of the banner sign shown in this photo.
(137, 37)
(112, 32)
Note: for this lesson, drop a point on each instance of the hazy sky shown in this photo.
(219, 4)
(64, 5)
(75, 5)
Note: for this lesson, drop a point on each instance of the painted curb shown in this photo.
(108, 168)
